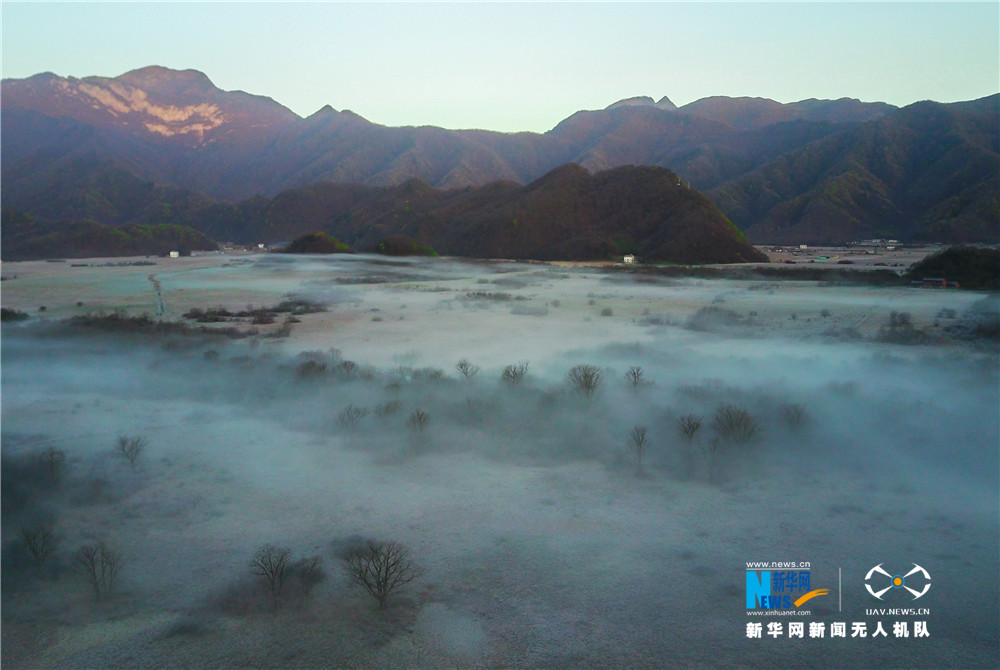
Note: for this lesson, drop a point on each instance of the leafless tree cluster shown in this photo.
(734, 424)
(512, 375)
(130, 448)
(99, 564)
(585, 379)
(270, 564)
(467, 369)
(380, 568)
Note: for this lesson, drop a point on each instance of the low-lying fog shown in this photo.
(541, 539)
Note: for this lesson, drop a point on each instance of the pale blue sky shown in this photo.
(521, 66)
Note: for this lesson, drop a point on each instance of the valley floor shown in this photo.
(544, 542)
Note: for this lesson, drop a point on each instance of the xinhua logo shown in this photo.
(779, 589)
(917, 577)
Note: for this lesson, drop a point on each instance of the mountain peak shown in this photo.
(637, 101)
(644, 101)
(167, 82)
(665, 103)
(325, 110)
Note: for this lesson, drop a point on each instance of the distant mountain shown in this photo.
(754, 113)
(928, 172)
(26, 239)
(568, 214)
(183, 107)
(769, 166)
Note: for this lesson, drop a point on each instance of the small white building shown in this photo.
(175, 254)
(629, 259)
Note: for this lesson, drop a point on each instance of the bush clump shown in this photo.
(317, 243)
(972, 267)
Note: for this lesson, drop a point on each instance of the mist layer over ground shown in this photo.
(542, 539)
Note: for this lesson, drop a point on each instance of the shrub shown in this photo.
(310, 369)
(7, 314)
(380, 568)
(387, 409)
(794, 414)
(714, 319)
(900, 330)
(585, 379)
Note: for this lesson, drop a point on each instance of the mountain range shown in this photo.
(162, 146)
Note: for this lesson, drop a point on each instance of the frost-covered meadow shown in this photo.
(542, 540)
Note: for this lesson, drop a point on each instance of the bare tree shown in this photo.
(350, 416)
(513, 374)
(130, 448)
(380, 568)
(467, 369)
(734, 424)
(585, 379)
(348, 367)
(419, 420)
(40, 543)
(712, 449)
(309, 572)
(638, 438)
(100, 565)
(55, 462)
(689, 425)
(270, 563)
(635, 377)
